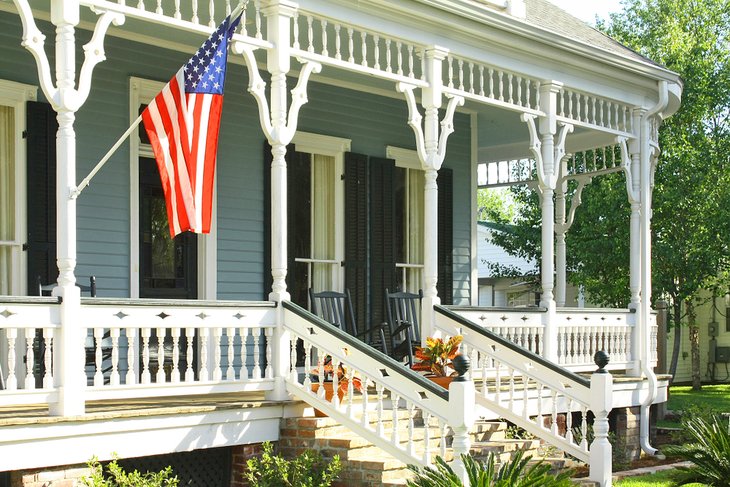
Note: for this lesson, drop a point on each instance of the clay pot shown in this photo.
(442, 381)
(328, 394)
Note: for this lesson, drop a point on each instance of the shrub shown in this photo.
(307, 470)
(709, 451)
(516, 473)
(117, 477)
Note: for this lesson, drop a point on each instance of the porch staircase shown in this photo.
(365, 465)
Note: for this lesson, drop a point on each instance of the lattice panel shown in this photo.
(210, 467)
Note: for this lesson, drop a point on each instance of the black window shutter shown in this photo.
(41, 128)
(299, 225)
(382, 242)
(356, 234)
(446, 236)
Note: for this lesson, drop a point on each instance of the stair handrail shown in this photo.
(403, 385)
(567, 391)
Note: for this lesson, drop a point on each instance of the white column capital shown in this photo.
(284, 8)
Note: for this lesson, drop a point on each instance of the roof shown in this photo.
(542, 13)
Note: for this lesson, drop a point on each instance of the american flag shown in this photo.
(182, 123)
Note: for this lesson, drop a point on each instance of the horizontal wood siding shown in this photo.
(371, 121)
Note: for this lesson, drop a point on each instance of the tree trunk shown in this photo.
(676, 317)
(694, 343)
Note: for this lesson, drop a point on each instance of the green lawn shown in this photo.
(715, 397)
(659, 479)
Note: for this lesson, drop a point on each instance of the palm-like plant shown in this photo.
(709, 451)
(517, 473)
(437, 355)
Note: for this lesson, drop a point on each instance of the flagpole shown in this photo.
(75, 193)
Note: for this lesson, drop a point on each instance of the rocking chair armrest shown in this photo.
(402, 328)
(375, 327)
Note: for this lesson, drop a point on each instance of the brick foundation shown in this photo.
(66, 476)
(240, 454)
(625, 424)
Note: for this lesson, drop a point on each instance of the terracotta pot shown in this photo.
(328, 394)
(442, 381)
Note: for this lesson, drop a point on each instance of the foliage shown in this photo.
(688, 413)
(658, 479)
(715, 397)
(709, 452)
(516, 473)
(343, 375)
(495, 205)
(117, 477)
(307, 470)
(437, 355)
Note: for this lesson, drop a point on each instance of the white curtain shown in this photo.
(7, 196)
(416, 185)
(323, 221)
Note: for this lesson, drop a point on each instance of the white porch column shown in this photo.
(431, 149)
(560, 250)
(68, 346)
(635, 237)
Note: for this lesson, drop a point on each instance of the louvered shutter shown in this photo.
(299, 223)
(382, 242)
(446, 235)
(41, 193)
(356, 235)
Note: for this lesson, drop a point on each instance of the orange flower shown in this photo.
(437, 355)
(343, 377)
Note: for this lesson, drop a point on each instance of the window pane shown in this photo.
(7, 196)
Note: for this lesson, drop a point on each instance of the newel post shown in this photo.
(601, 405)
(461, 404)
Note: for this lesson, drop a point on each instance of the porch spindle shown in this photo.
(161, 333)
(257, 353)
(217, 339)
(269, 334)
(145, 334)
(175, 372)
(29, 358)
(243, 333)
(189, 339)
(114, 377)
(230, 342)
(48, 337)
(131, 335)
(98, 357)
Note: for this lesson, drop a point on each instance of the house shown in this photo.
(347, 158)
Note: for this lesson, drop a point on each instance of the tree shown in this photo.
(691, 207)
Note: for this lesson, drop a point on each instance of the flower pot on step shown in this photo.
(328, 394)
(440, 380)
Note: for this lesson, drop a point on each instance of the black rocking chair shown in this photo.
(403, 310)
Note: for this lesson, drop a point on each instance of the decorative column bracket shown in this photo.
(575, 202)
(632, 188)
(432, 157)
(257, 87)
(34, 41)
(547, 177)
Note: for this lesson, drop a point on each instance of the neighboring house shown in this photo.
(337, 169)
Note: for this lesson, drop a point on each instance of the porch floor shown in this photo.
(136, 407)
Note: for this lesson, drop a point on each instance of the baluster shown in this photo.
(410, 61)
(525, 390)
(338, 53)
(511, 373)
(569, 422)
(584, 428)
(379, 428)
(177, 14)
(204, 335)
(570, 104)
(48, 337)
(586, 346)
(320, 369)
(593, 112)
(325, 51)
(131, 334)
(175, 372)
(310, 34)
(510, 88)
(12, 382)
(295, 22)
(231, 336)
(98, 357)
(461, 74)
(29, 358)
(293, 362)
(442, 442)
(211, 14)
(158, 10)
(451, 71)
(217, 335)
(228, 7)
(471, 77)
(257, 10)
(623, 118)
(537, 95)
(114, 378)
(423, 65)
(308, 364)
(519, 90)
(528, 95)
(146, 377)
(491, 83)
(481, 80)
(427, 437)
(410, 407)
(269, 372)
(189, 338)
(350, 390)
(539, 419)
(194, 18)
(388, 56)
(394, 433)
(365, 418)
(500, 79)
(350, 45)
(615, 116)
(257, 353)
(160, 376)
(376, 51)
(554, 426)
(364, 48)
(335, 382)
(497, 381)
(601, 105)
(243, 372)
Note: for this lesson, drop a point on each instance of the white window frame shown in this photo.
(16, 95)
(142, 91)
(335, 147)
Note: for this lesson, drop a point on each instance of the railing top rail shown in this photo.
(183, 303)
(397, 367)
(515, 348)
(497, 309)
(30, 300)
(603, 311)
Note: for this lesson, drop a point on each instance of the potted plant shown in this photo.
(436, 359)
(343, 380)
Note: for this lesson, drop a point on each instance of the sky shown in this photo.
(588, 9)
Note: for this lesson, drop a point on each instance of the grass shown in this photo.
(659, 479)
(715, 397)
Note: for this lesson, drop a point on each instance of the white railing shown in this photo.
(521, 326)
(600, 160)
(330, 41)
(28, 328)
(583, 332)
(523, 388)
(489, 84)
(152, 348)
(588, 110)
(506, 173)
(398, 410)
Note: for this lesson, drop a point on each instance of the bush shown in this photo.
(307, 470)
(117, 477)
(516, 473)
(709, 451)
